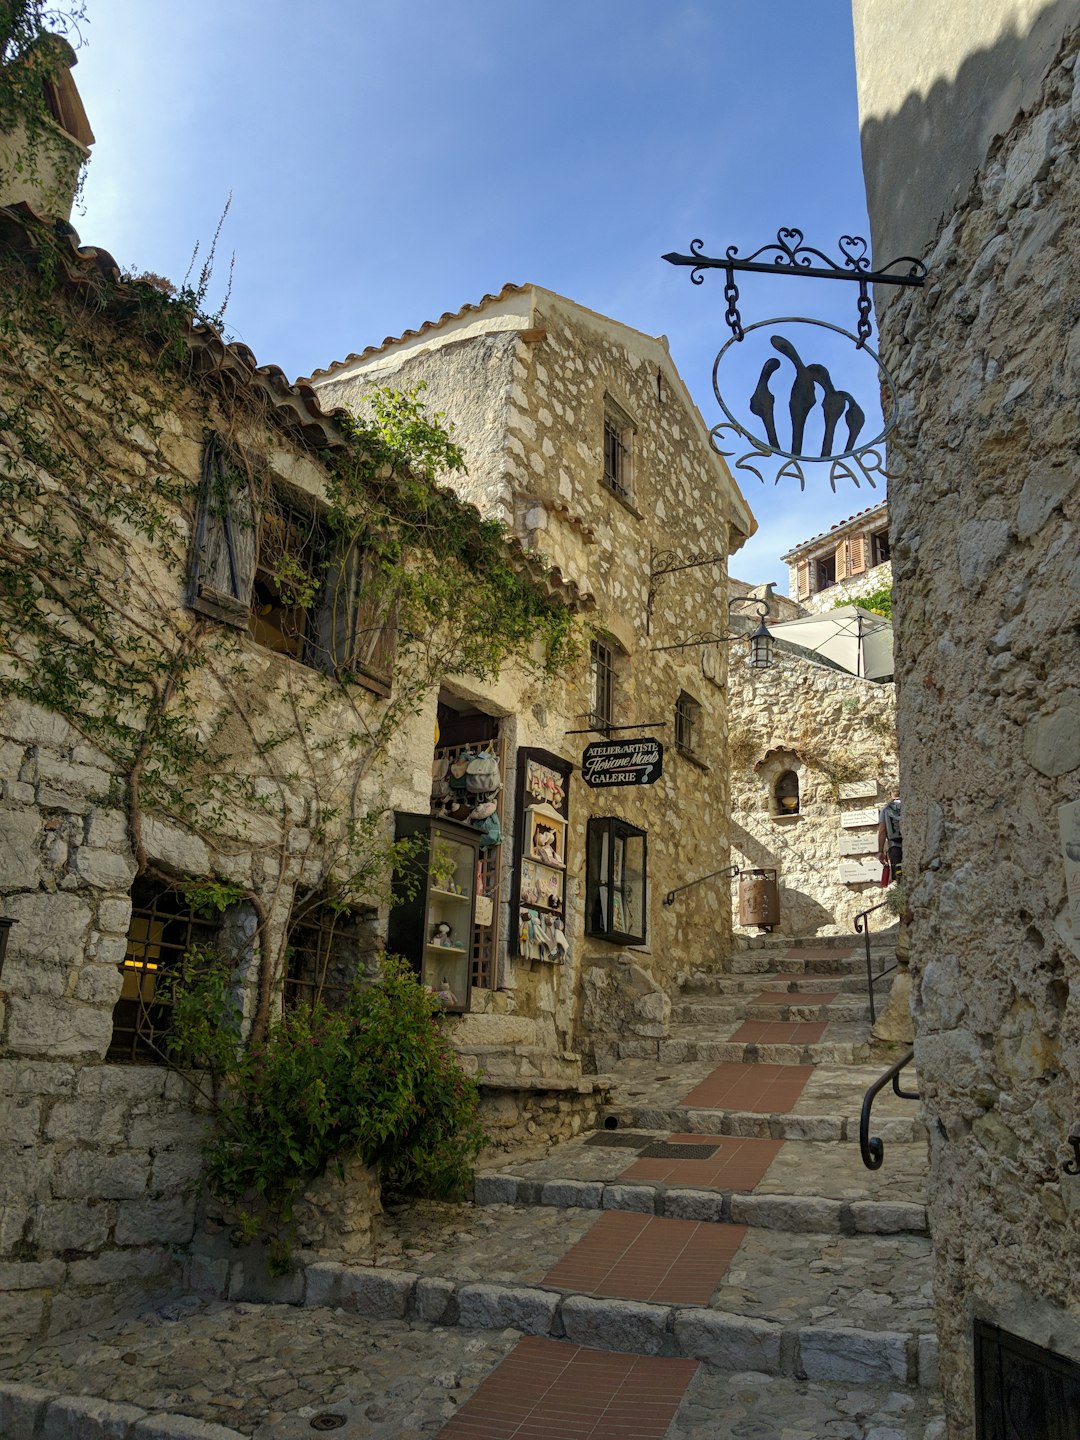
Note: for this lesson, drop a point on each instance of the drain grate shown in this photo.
(619, 1139)
(665, 1150)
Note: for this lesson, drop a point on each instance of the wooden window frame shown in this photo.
(618, 449)
(687, 725)
(601, 686)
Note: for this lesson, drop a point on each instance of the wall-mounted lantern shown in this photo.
(761, 640)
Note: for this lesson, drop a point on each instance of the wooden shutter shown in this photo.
(856, 554)
(355, 629)
(840, 561)
(225, 547)
(802, 585)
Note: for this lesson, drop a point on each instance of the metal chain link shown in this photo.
(731, 315)
(864, 329)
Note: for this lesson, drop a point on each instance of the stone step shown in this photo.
(757, 1167)
(754, 982)
(845, 941)
(735, 1008)
(756, 962)
(792, 1214)
(678, 1049)
(828, 1105)
(784, 1302)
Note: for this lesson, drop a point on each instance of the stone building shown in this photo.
(813, 758)
(581, 437)
(985, 524)
(851, 559)
(41, 164)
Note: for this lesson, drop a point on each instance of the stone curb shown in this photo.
(750, 1124)
(29, 1413)
(795, 1214)
(723, 1339)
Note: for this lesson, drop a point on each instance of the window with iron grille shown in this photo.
(602, 685)
(163, 930)
(324, 955)
(687, 724)
(618, 451)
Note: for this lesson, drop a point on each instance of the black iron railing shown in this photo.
(730, 870)
(862, 925)
(870, 1146)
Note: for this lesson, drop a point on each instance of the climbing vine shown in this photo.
(107, 386)
(32, 57)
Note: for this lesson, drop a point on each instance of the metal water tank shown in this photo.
(759, 898)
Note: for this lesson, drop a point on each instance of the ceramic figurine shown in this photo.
(443, 936)
(445, 994)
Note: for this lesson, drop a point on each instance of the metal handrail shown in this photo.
(863, 928)
(730, 870)
(870, 1146)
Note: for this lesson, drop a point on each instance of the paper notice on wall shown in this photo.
(1068, 920)
(484, 910)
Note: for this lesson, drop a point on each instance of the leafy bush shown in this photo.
(374, 1077)
(879, 601)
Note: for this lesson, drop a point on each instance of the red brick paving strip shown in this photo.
(795, 997)
(646, 1257)
(547, 1390)
(778, 1032)
(762, 1089)
(736, 1165)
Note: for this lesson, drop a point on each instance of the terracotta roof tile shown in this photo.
(508, 289)
(840, 525)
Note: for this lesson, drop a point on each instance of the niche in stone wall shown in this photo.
(780, 776)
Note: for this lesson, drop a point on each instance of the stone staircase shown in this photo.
(720, 1214)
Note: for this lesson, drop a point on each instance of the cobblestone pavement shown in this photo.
(256, 1369)
(266, 1371)
(750, 1406)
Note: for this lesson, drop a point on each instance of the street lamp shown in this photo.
(761, 640)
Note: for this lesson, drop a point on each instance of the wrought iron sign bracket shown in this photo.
(610, 729)
(827, 419)
(789, 256)
(666, 562)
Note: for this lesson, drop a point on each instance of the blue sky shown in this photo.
(392, 161)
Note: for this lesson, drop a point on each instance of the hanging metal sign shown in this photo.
(824, 421)
(607, 763)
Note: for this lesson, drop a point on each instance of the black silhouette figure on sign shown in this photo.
(834, 403)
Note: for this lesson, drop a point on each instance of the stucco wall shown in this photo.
(937, 84)
(986, 533)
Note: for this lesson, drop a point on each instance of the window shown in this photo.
(615, 876)
(687, 724)
(274, 568)
(786, 794)
(325, 953)
(618, 450)
(825, 573)
(602, 685)
(163, 930)
(879, 547)
(290, 563)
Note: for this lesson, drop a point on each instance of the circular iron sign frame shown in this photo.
(761, 442)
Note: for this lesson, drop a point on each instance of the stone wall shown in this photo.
(830, 729)
(534, 449)
(847, 591)
(986, 534)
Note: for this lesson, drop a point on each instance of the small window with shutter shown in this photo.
(280, 572)
(225, 547)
